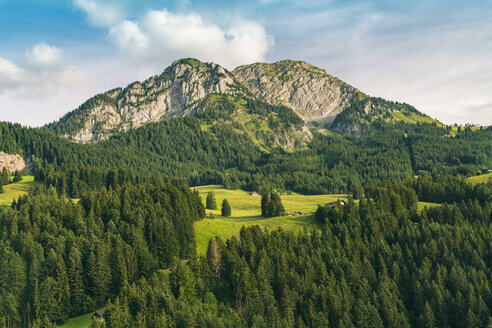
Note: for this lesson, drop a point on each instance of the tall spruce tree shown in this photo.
(211, 203)
(271, 205)
(226, 209)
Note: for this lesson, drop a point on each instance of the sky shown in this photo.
(433, 54)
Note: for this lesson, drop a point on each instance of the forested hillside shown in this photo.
(376, 264)
(219, 154)
(60, 259)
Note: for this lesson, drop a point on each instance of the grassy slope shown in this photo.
(84, 321)
(246, 211)
(480, 178)
(14, 190)
(413, 118)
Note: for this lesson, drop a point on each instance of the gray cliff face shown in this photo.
(311, 92)
(174, 93)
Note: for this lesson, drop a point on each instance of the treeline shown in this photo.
(60, 259)
(379, 263)
(221, 155)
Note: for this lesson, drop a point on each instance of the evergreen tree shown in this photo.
(265, 209)
(17, 177)
(211, 204)
(271, 205)
(226, 209)
(5, 176)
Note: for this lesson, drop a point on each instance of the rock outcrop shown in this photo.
(311, 92)
(174, 93)
(13, 162)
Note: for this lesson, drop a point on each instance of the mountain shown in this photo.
(190, 87)
(311, 92)
(319, 98)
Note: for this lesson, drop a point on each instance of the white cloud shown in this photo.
(40, 83)
(44, 69)
(44, 57)
(10, 74)
(161, 36)
(101, 13)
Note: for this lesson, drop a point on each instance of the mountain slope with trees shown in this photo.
(185, 87)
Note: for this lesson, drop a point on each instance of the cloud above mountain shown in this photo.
(159, 36)
(44, 68)
(33, 89)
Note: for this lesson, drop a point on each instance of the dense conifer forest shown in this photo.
(378, 263)
(180, 148)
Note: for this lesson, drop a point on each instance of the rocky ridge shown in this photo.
(310, 91)
(318, 98)
(174, 93)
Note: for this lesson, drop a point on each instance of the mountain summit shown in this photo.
(190, 87)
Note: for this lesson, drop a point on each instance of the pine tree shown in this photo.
(271, 205)
(226, 209)
(211, 204)
(278, 207)
(74, 272)
(265, 201)
(17, 177)
(63, 290)
(214, 255)
(5, 177)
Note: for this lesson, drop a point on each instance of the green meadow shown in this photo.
(83, 321)
(480, 178)
(246, 211)
(15, 190)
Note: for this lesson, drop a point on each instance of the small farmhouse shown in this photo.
(336, 204)
(98, 315)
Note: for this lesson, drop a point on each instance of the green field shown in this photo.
(84, 321)
(480, 178)
(246, 211)
(14, 190)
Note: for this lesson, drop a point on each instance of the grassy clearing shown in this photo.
(15, 190)
(422, 205)
(246, 211)
(480, 178)
(84, 321)
(413, 118)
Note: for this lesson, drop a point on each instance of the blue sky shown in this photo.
(434, 54)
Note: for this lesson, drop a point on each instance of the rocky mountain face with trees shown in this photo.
(12, 162)
(190, 87)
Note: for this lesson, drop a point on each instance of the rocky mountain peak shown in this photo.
(184, 88)
(174, 93)
(310, 91)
